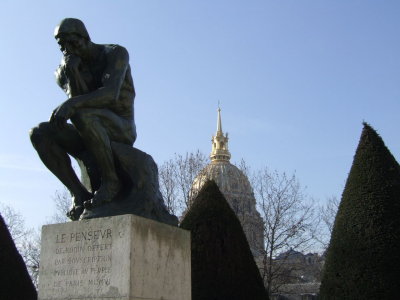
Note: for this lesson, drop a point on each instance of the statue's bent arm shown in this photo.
(113, 77)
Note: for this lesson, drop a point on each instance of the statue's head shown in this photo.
(72, 36)
(71, 26)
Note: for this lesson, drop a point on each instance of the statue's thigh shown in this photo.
(67, 137)
(71, 140)
(117, 128)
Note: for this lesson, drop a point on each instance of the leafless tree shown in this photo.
(290, 222)
(15, 224)
(187, 168)
(176, 178)
(327, 214)
(246, 169)
(30, 252)
(168, 185)
(62, 203)
(31, 247)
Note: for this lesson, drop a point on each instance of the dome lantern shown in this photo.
(219, 151)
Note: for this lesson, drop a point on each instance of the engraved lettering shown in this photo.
(90, 235)
(60, 238)
(75, 249)
(73, 283)
(63, 272)
(100, 247)
(99, 281)
(83, 259)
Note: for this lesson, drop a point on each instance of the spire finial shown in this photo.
(220, 150)
(219, 123)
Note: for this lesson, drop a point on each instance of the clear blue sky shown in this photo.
(295, 80)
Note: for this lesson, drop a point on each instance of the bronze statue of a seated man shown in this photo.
(97, 80)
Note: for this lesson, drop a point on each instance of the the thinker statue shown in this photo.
(97, 80)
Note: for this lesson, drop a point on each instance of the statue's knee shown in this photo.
(33, 134)
(37, 133)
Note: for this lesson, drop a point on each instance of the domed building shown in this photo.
(235, 186)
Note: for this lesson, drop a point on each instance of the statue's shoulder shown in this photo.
(115, 50)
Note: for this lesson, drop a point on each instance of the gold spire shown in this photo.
(219, 142)
(219, 125)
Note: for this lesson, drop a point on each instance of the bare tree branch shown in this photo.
(168, 185)
(290, 222)
(15, 224)
(31, 254)
(176, 179)
(62, 202)
(327, 217)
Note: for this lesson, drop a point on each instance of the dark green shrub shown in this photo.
(223, 267)
(363, 259)
(15, 282)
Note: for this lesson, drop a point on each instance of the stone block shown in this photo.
(115, 258)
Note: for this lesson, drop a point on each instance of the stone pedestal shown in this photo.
(115, 258)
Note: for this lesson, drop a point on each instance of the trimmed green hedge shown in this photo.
(15, 282)
(223, 267)
(363, 259)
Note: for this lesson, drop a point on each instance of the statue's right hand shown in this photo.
(60, 122)
(62, 113)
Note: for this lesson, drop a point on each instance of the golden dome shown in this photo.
(235, 186)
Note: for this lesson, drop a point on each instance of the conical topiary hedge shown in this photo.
(15, 282)
(223, 267)
(363, 259)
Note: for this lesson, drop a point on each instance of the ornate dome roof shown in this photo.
(230, 180)
(228, 177)
(235, 186)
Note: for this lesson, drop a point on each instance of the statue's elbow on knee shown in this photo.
(34, 135)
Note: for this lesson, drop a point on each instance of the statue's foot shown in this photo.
(75, 212)
(77, 205)
(106, 193)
